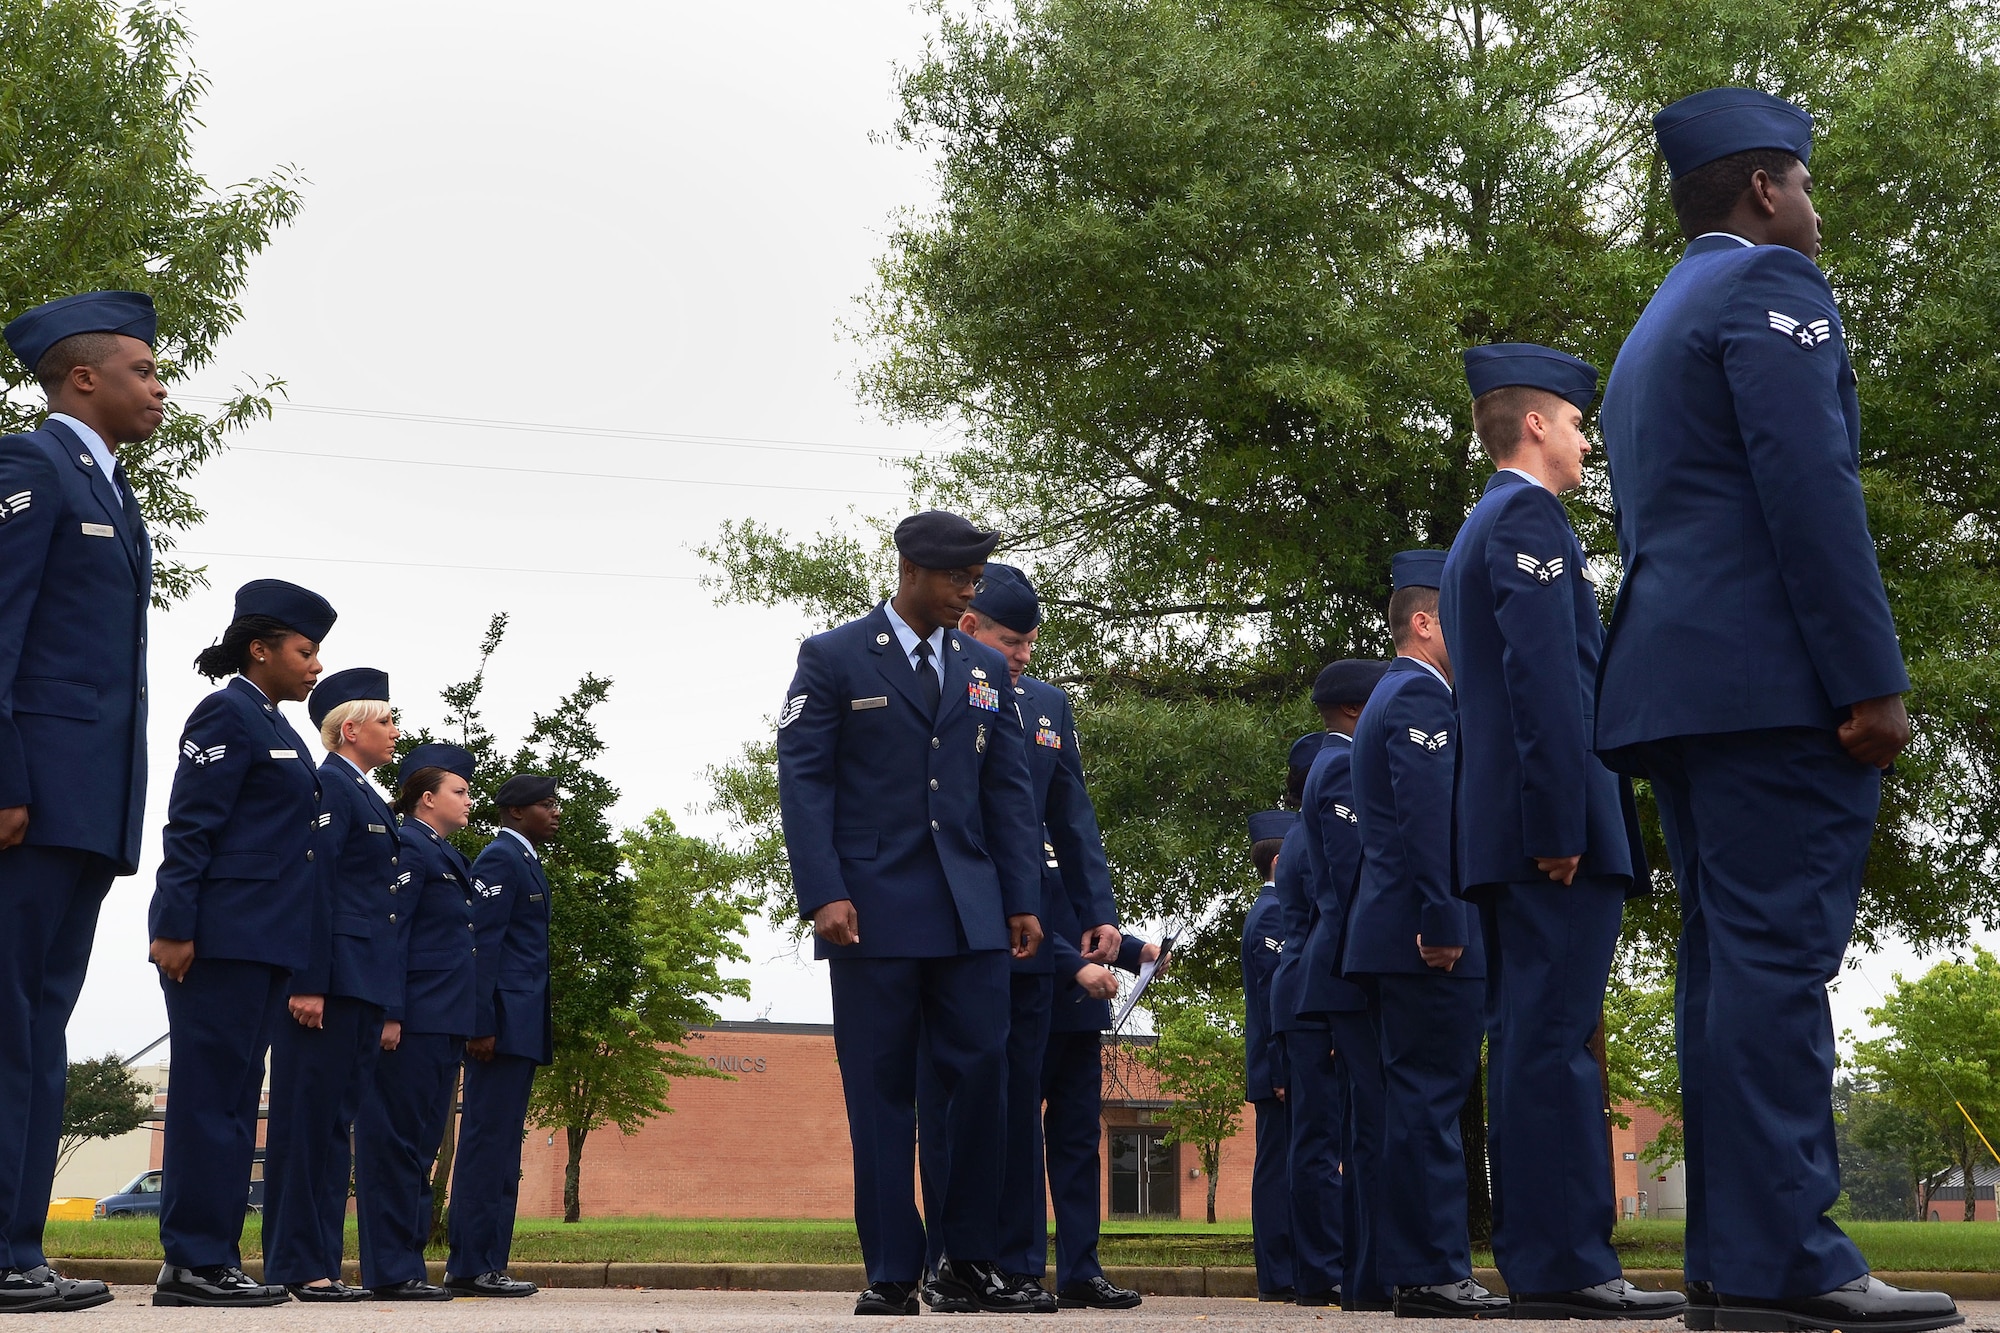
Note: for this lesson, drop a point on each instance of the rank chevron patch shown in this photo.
(1345, 813)
(790, 713)
(202, 757)
(17, 503)
(1542, 571)
(1806, 333)
(1418, 736)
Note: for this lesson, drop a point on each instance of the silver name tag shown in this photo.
(378, 828)
(879, 701)
(99, 530)
(284, 754)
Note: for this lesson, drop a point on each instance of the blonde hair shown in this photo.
(354, 710)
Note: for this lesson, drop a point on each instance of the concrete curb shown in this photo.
(1237, 1282)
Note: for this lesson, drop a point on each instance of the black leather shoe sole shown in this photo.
(1130, 1302)
(467, 1289)
(1762, 1319)
(15, 1304)
(391, 1294)
(87, 1302)
(249, 1300)
(324, 1295)
(873, 1305)
(1547, 1307)
(1422, 1309)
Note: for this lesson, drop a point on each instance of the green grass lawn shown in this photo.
(1908, 1246)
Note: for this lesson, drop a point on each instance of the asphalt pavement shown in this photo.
(615, 1310)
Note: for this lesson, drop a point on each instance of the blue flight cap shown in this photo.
(300, 610)
(1267, 824)
(1305, 749)
(936, 539)
(1502, 365)
(524, 789)
(1697, 130)
(344, 687)
(436, 754)
(1008, 598)
(1348, 681)
(33, 333)
(1416, 569)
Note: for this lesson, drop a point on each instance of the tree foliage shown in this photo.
(101, 1101)
(1938, 1059)
(98, 108)
(1198, 1060)
(1890, 1160)
(1195, 285)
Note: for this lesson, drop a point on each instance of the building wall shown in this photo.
(105, 1166)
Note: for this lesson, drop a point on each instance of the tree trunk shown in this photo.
(1965, 1166)
(1211, 1163)
(573, 1137)
(1472, 1129)
(441, 1171)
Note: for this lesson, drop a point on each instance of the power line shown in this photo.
(411, 564)
(563, 472)
(600, 432)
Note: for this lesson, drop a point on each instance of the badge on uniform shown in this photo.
(212, 755)
(981, 694)
(1046, 734)
(790, 713)
(402, 882)
(325, 820)
(1421, 737)
(378, 828)
(486, 890)
(1806, 333)
(1275, 946)
(284, 754)
(17, 503)
(874, 701)
(1345, 813)
(1542, 571)
(99, 530)
(978, 673)
(979, 741)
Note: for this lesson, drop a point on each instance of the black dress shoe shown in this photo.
(966, 1285)
(1317, 1298)
(413, 1289)
(1029, 1286)
(489, 1284)
(333, 1293)
(22, 1294)
(887, 1298)
(78, 1293)
(1464, 1299)
(1616, 1299)
(1097, 1293)
(221, 1285)
(1277, 1296)
(1864, 1303)
(1700, 1315)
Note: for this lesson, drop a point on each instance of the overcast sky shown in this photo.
(623, 216)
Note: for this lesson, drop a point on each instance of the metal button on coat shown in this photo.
(934, 784)
(934, 742)
(934, 825)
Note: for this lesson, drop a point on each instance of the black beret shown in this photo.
(1007, 598)
(344, 687)
(1267, 824)
(524, 789)
(1348, 681)
(300, 610)
(936, 539)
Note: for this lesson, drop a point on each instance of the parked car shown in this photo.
(141, 1198)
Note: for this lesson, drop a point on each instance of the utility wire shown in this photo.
(412, 564)
(561, 472)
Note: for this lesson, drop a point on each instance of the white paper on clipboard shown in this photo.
(1147, 971)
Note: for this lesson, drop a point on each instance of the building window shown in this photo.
(1145, 1180)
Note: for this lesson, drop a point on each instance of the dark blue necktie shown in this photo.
(927, 681)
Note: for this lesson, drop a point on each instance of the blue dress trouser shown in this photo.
(1360, 1059)
(49, 898)
(317, 1078)
(396, 1139)
(222, 1015)
(1072, 1133)
(1271, 1196)
(881, 1009)
(1768, 832)
(1317, 1098)
(1430, 1028)
(1023, 1241)
(1548, 955)
(486, 1169)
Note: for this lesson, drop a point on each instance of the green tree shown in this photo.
(1195, 285)
(1640, 1064)
(653, 939)
(102, 1101)
(1939, 1056)
(1198, 1060)
(1890, 1160)
(99, 103)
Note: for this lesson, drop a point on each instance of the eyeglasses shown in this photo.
(963, 579)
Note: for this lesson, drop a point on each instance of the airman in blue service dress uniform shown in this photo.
(514, 1033)
(76, 578)
(1006, 615)
(1418, 946)
(1315, 1101)
(909, 823)
(1344, 1123)
(402, 1120)
(230, 922)
(324, 1059)
(1733, 430)
(1264, 1072)
(1548, 840)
